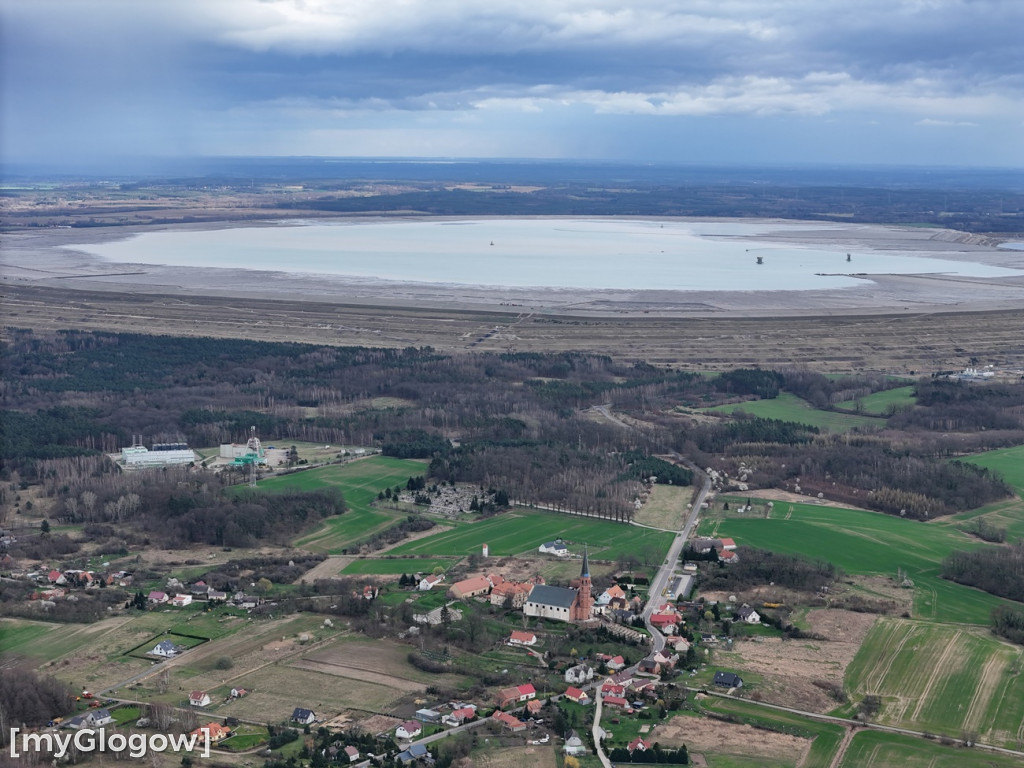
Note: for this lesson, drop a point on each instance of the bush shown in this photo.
(224, 662)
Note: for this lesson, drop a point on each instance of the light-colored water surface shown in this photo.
(558, 253)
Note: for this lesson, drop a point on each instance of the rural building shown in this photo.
(728, 557)
(428, 716)
(412, 754)
(303, 716)
(606, 597)
(556, 547)
(581, 673)
(515, 592)
(637, 745)
(466, 588)
(180, 601)
(157, 598)
(522, 638)
(516, 695)
(99, 717)
(166, 649)
(199, 698)
(748, 615)
(616, 701)
(728, 679)
(728, 544)
(573, 744)
(162, 455)
(459, 716)
(237, 693)
(217, 732)
(429, 582)
(577, 695)
(514, 724)
(615, 663)
(410, 729)
(351, 753)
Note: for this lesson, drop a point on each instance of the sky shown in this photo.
(846, 82)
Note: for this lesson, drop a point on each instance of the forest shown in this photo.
(998, 570)
(520, 423)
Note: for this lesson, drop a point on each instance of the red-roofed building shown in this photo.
(514, 724)
(616, 701)
(517, 695)
(478, 585)
(615, 663)
(522, 638)
(611, 689)
(728, 557)
(728, 544)
(216, 730)
(577, 695)
(637, 744)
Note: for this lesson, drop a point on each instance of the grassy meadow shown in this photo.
(881, 403)
(878, 749)
(862, 542)
(789, 407)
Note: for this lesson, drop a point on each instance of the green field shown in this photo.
(789, 407)
(942, 679)
(877, 749)
(522, 531)
(360, 482)
(881, 403)
(1006, 462)
(396, 566)
(867, 543)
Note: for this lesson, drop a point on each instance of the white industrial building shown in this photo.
(161, 455)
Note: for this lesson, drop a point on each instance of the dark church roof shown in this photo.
(557, 597)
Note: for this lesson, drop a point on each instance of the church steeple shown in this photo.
(583, 604)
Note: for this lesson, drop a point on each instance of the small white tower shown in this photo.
(486, 551)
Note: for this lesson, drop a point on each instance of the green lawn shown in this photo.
(360, 482)
(789, 407)
(42, 641)
(877, 749)
(522, 531)
(942, 679)
(868, 543)
(881, 403)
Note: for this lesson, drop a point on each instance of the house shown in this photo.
(522, 638)
(577, 695)
(199, 698)
(748, 615)
(728, 544)
(99, 717)
(615, 701)
(665, 660)
(180, 601)
(649, 667)
(55, 576)
(166, 649)
(410, 729)
(412, 754)
(637, 745)
(613, 592)
(76, 722)
(611, 689)
(351, 753)
(728, 557)
(217, 731)
(666, 622)
(214, 594)
(428, 716)
(429, 582)
(581, 673)
(556, 547)
(157, 598)
(615, 663)
(199, 589)
(516, 695)
(514, 724)
(573, 744)
(703, 546)
(459, 716)
(622, 677)
(728, 679)
(467, 588)
(237, 693)
(303, 716)
(534, 706)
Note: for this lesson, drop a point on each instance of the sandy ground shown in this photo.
(35, 258)
(713, 736)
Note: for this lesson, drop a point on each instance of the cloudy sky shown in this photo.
(902, 82)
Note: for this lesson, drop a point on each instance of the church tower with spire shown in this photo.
(583, 605)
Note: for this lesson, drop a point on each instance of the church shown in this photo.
(562, 604)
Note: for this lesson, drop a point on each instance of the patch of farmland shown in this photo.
(665, 508)
(516, 757)
(378, 661)
(715, 737)
(277, 690)
(881, 403)
(942, 679)
(47, 642)
(395, 566)
(877, 749)
(1008, 463)
(862, 542)
(523, 530)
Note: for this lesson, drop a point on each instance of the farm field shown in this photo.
(524, 530)
(861, 542)
(876, 749)
(360, 481)
(1007, 514)
(826, 736)
(665, 507)
(377, 661)
(396, 566)
(881, 403)
(1007, 462)
(942, 679)
(789, 407)
(43, 641)
(725, 745)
